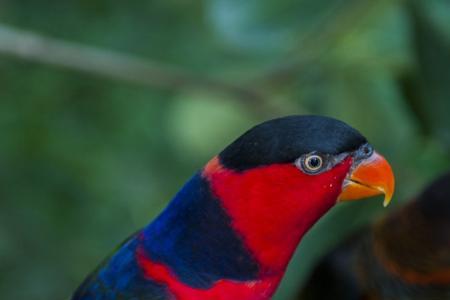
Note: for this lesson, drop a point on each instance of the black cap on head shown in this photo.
(285, 139)
(434, 202)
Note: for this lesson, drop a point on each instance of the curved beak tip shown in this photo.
(387, 200)
(372, 176)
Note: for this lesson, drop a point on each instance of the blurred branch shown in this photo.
(36, 48)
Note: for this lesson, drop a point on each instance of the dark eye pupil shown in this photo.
(310, 163)
(314, 162)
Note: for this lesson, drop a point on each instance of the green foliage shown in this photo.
(85, 160)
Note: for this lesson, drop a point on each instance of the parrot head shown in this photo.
(281, 176)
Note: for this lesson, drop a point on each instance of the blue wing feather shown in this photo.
(119, 278)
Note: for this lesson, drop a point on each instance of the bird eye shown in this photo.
(311, 163)
(366, 150)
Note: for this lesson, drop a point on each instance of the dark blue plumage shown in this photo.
(192, 233)
(185, 238)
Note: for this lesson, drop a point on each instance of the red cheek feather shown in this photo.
(273, 206)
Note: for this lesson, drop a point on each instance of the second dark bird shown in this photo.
(404, 256)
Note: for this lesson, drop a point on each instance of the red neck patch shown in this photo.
(272, 207)
(221, 290)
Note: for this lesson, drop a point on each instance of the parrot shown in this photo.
(231, 230)
(405, 255)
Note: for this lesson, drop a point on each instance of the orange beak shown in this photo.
(372, 176)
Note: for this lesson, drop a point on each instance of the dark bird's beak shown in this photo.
(373, 176)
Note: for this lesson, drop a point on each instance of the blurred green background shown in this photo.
(107, 107)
